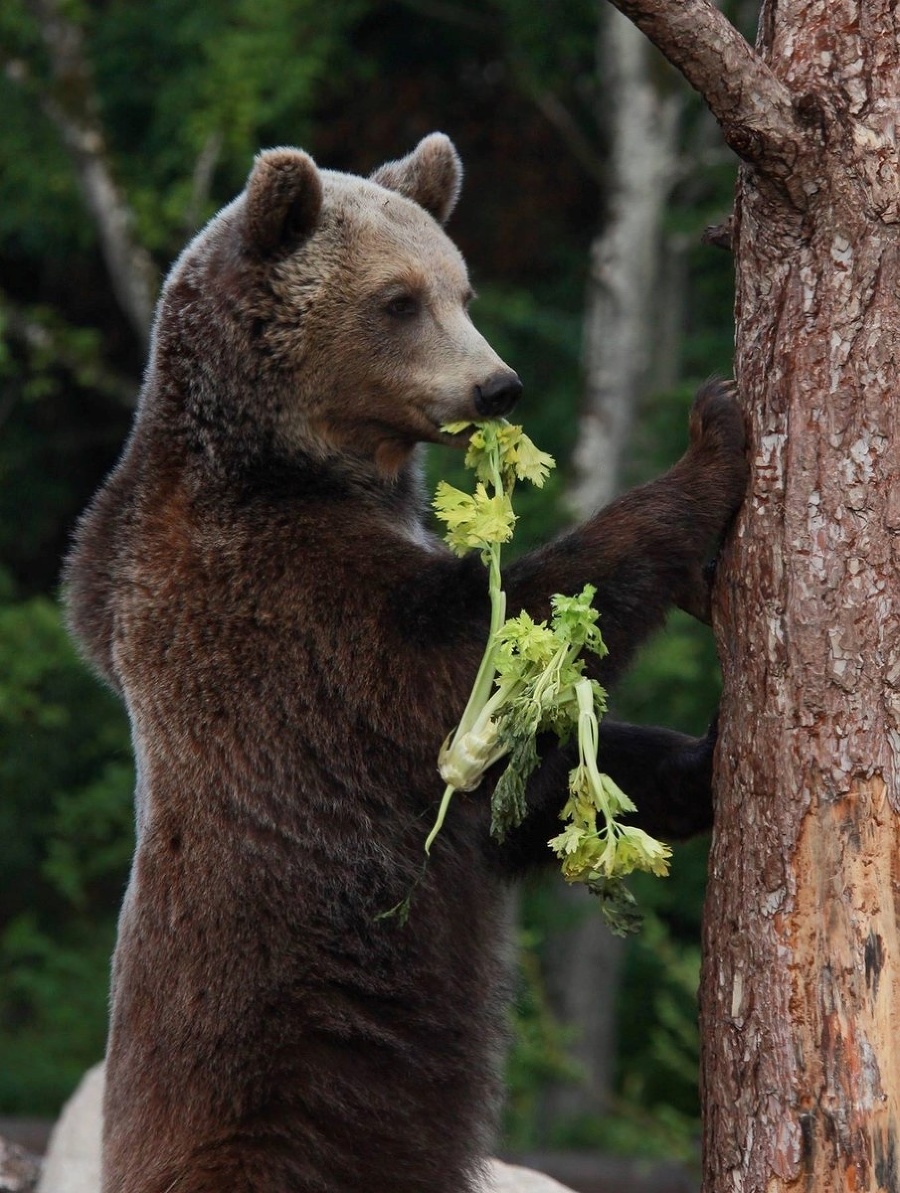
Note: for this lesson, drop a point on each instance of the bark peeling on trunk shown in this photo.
(800, 997)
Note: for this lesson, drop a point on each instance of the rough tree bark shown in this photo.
(800, 997)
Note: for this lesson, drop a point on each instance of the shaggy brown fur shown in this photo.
(256, 580)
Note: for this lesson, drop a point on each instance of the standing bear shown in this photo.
(257, 581)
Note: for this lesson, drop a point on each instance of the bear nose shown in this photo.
(498, 394)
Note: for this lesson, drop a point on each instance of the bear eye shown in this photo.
(402, 306)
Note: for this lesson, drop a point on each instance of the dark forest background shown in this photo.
(172, 100)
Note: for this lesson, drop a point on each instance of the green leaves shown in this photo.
(500, 452)
(530, 463)
(508, 802)
(594, 847)
(538, 670)
(531, 680)
(474, 520)
(575, 620)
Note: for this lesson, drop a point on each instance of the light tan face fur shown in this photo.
(373, 319)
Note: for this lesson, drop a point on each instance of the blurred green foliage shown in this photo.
(65, 834)
(187, 93)
(540, 1050)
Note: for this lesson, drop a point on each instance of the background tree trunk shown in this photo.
(800, 996)
(621, 304)
(584, 961)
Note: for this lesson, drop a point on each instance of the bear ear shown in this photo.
(431, 176)
(284, 198)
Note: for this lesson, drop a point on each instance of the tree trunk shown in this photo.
(626, 258)
(584, 961)
(800, 995)
(802, 984)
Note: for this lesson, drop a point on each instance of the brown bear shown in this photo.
(293, 644)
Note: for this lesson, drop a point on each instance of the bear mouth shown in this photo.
(459, 439)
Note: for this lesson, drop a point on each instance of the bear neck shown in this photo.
(221, 465)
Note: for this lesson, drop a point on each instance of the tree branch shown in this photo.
(71, 104)
(556, 113)
(452, 14)
(204, 169)
(754, 108)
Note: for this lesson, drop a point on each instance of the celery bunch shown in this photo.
(531, 680)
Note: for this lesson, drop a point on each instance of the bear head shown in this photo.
(322, 314)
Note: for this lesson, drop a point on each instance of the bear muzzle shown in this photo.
(498, 394)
